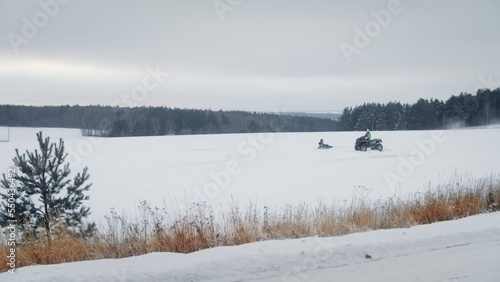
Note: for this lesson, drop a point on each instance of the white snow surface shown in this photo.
(267, 169)
(462, 250)
(274, 169)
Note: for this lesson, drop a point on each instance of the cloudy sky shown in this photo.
(258, 55)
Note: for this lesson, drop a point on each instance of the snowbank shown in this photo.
(461, 250)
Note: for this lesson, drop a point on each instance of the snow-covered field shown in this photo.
(263, 168)
(275, 169)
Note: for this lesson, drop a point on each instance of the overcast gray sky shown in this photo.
(262, 55)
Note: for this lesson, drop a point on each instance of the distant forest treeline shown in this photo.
(462, 110)
(150, 121)
(458, 111)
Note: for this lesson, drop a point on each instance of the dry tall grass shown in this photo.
(199, 227)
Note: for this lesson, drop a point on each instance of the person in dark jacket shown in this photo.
(323, 145)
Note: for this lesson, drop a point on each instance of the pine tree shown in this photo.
(212, 123)
(367, 117)
(346, 122)
(44, 192)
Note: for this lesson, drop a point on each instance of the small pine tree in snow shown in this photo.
(44, 191)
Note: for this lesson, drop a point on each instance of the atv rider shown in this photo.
(368, 135)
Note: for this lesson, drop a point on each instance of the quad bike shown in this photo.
(362, 144)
